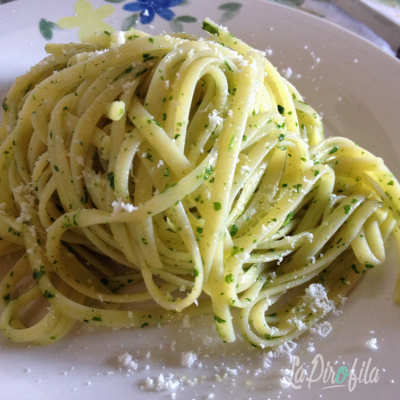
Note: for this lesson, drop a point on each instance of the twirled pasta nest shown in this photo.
(184, 173)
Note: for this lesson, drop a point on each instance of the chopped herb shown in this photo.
(110, 178)
(38, 274)
(369, 265)
(297, 187)
(149, 157)
(229, 278)
(347, 208)
(236, 250)
(273, 315)
(232, 142)
(288, 219)
(281, 109)
(229, 67)
(333, 150)
(140, 72)
(217, 206)
(218, 319)
(208, 171)
(234, 230)
(354, 268)
(48, 295)
(147, 57)
(210, 29)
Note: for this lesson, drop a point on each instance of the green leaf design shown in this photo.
(390, 3)
(186, 18)
(230, 6)
(130, 22)
(393, 3)
(177, 23)
(184, 3)
(5, 1)
(176, 26)
(292, 3)
(231, 10)
(115, 1)
(46, 28)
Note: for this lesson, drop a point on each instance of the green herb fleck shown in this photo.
(228, 66)
(110, 178)
(210, 29)
(354, 268)
(217, 206)
(333, 150)
(234, 230)
(48, 295)
(232, 142)
(288, 219)
(218, 319)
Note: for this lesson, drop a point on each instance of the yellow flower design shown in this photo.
(88, 19)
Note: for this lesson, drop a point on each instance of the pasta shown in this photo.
(154, 177)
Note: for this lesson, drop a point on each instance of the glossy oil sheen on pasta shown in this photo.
(146, 178)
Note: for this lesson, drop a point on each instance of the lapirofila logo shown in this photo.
(324, 375)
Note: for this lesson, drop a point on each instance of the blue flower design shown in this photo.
(149, 8)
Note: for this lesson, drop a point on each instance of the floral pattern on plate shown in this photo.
(90, 20)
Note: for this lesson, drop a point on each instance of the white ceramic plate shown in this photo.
(382, 16)
(355, 86)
